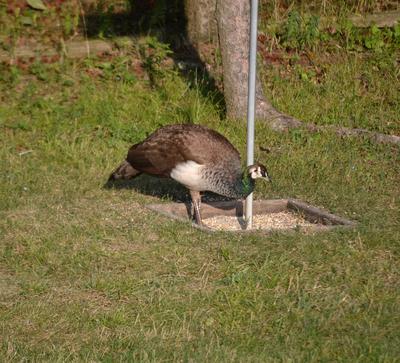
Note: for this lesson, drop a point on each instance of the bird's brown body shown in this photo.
(174, 144)
(197, 157)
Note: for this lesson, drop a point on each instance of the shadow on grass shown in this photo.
(163, 188)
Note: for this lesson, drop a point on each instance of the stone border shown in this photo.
(322, 219)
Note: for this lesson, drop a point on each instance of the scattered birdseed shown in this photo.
(270, 221)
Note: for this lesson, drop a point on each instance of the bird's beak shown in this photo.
(267, 177)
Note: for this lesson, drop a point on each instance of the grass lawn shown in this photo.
(89, 274)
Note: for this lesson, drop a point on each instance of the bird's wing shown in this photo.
(152, 159)
(169, 146)
(159, 158)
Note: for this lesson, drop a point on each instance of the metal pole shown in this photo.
(251, 104)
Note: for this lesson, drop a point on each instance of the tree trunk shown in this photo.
(233, 18)
(202, 24)
(229, 21)
(233, 31)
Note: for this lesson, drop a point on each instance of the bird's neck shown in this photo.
(245, 185)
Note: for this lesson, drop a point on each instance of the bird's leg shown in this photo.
(196, 201)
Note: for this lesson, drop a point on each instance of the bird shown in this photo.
(195, 156)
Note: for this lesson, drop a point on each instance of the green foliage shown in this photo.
(311, 32)
(275, 11)
(116, 69)
(9, 74)
(371, 38)
(47, 22)
(104, 23)
(292, 30)
(70, 22)
(300, 32)
(39, 70)
(153, 53)
(396, 34)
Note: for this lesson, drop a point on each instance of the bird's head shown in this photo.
(258, 171)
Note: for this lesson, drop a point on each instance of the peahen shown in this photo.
(199, 158)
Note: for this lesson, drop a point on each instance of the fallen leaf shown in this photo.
(26, 20)
(36, 4)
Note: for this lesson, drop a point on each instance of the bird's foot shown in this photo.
(196, 201)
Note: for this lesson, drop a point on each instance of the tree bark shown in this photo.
(202, 24)
(233, 31)
(228, 21)
(233, 19)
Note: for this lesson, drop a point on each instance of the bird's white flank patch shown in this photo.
(189, 174)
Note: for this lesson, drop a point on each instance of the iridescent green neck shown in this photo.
(245, 185)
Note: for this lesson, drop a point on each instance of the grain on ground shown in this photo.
(270, 221)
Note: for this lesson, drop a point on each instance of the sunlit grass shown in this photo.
(89, 274)
(358, 91)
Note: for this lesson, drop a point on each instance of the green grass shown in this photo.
(352, 90)
(89, 274)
